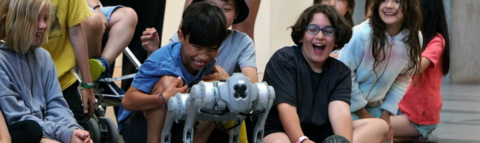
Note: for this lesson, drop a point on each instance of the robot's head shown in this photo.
(240, 91)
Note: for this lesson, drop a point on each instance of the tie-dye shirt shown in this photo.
(386, 83)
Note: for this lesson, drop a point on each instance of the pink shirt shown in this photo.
(422, 103)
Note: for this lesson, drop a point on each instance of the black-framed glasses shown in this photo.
(314, 29)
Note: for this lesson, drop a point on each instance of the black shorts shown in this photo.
(27, 131)
(316, 135)
(134, 130)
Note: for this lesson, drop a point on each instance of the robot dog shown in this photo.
(233, 99)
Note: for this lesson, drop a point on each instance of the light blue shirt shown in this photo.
(236, 52)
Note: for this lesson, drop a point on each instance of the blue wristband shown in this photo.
(163, 100)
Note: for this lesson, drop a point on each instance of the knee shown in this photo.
(129, 15)
(94, 24)
(379, 125)
(276, 138)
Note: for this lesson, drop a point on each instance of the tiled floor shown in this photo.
(460, 115)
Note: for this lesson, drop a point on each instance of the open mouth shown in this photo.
(390, 13)
(318, 48)
(38, 35)
(199, 64)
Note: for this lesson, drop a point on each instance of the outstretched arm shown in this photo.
(79, 43)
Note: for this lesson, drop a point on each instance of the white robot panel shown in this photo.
(231, 100)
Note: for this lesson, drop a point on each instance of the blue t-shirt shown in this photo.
(164, 61)
(236, 52)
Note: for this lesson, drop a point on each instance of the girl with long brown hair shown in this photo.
(383, 54)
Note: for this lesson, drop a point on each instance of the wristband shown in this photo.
(86, 85)
(95, 7)
(301, 139)
(160, 97)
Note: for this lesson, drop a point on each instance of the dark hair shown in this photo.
(349, 14)
(412, 22)
(343, 30)
(368, 8)
(205, 24)
(236, 2)
(435, 22)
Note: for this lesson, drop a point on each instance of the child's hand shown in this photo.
(386, 116)
(174, 88)
(363, 113)
(80, 136)
(88, 100)
(218, 74)
(150, 40)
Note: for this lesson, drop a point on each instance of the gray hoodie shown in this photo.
(29, 90)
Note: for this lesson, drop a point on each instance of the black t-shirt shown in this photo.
(297, 84)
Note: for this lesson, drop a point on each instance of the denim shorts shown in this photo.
(108, 10)
(423, 129)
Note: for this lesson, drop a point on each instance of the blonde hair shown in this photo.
(18, 23)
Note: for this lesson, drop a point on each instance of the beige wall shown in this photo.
(465, 41)
(271, 33)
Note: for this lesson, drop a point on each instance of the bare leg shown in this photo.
(155, 123)
(248, 26)
(372, 130)
(203, 132)
(279, 137)
(122, 26)
(94, 29)
(403, 130)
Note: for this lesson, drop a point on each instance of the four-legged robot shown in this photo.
(220, 101)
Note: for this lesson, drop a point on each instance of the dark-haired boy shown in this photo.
(143, 113)
(237, 52)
